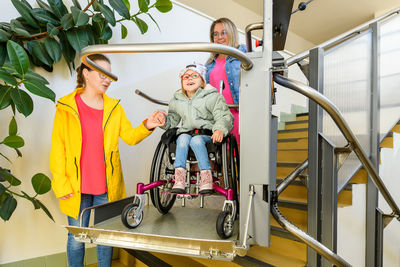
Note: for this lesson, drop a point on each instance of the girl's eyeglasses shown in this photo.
(187, 76)
(222, 34)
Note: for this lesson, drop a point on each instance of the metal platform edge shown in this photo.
(201, 248)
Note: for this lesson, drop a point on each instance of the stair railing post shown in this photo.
(316, 69)
(371, 244)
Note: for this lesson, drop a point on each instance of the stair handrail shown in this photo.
(165, 103)
(247, 63)
(354, 144)
(340, 38)
(293, 175)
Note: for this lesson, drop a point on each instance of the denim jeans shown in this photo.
(75, 249)
(198, 144)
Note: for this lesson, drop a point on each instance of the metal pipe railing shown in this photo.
(310, 241)
(248, 30)
(337, 117)
(247, 64)
(293, 175)
(340, 38)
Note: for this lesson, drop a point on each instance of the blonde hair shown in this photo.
(80, 80)
(231, 30)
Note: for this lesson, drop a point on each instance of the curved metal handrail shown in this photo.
(335, 114)
(165, 103)
(310, 241)
(293, 175)
(247, 64)
(340, 38)
(248, 30)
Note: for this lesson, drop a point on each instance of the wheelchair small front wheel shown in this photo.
(131, 216)
(224, 225)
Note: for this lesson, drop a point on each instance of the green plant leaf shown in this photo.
(45, 209)
(67, 50)
(17, 27)
(141, 25)
(5, 98)
(4, 36)
(18, 57)
(27, 4)
(39, 89)
(25, 12)
(107, 13)
(3, 54)
(2, 188)
(163, 6)
(67, 21)
(43, 5)
(121, 8)
(8, 78)
(53, 48)
(106, 33)
(124, 31)
(80, 18)
(143, 6)
(13, 141)
(31, 199)
(97, 18)
(127, 4)
(18, 152)
(90, 34)
(58, 8)
(76, 3)
(33, 75)
(41, 183)
(45, 16)
(22, 101)
(77, 39)
(11, 179)
(154, 21)
(52, 30)
(7, 208)
(12, 128)
(39, 51)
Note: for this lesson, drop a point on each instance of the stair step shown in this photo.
(396, 128)
(289, 125)
(278, 231)
(302, 116)
(295, 133)
(292, 143)
(293, 155)
(361, 177)
(387, 141)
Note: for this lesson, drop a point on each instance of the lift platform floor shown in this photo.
(182, 231)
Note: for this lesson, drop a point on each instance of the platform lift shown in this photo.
(175, 232)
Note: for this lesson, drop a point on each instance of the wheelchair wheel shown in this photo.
(131, 217)
(162, 169)
(224, 225)
(234, 166)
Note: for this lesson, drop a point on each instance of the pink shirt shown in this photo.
(217, 74)
(93, 177)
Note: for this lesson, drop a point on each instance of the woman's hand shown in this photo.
(217, 136)
(66, 196)
(156, 119)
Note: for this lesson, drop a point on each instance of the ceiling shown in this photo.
(325, 19)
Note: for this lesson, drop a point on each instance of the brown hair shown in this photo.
(80, 80)
(231, 30)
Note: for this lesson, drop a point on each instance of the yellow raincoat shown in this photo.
(66, 144)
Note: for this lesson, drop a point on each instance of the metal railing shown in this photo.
(354, 144)
(342, 37)
(247, 64)
(248, 30)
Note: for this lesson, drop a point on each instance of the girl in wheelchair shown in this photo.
(204, 117)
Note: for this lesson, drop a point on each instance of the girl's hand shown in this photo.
(156, 119)
(66, 196)
(217, 136)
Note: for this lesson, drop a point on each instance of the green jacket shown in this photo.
(207, 109)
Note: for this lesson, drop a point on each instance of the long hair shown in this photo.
(80, 80)
(231, 30)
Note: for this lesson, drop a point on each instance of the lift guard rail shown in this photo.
(335, 114)
(247, 64)
(341, 38)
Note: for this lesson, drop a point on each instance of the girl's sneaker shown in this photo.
(206, 182)
(180, 181)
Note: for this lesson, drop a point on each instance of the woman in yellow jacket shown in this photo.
(84, 157)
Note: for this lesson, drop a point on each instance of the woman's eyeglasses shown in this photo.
(103, 77)
(218, 34)
(187, 76)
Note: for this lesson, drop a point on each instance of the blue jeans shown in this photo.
(75, 249)
(198, 144)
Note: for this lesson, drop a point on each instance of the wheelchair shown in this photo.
(224, 159)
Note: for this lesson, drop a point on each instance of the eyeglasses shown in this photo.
(103, 77)
(187, 76)
(218, 34)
